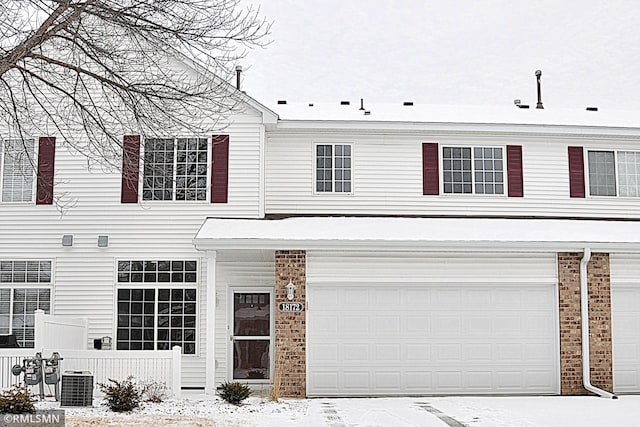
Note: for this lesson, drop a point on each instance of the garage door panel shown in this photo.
(430, 338)
(625, 322)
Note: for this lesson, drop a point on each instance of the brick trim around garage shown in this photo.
(601, 355)
(290, 349)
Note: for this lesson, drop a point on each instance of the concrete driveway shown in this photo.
(527, 411)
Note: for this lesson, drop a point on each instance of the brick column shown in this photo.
(290, 348)
(599, 322)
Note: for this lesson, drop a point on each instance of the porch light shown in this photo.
(290, 290)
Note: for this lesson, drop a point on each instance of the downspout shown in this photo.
(584, 315)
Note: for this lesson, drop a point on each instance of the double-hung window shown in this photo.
(614, 173)
(157, 305)
(333, 168)
(472, 170)
(21, 294)
(175, 169)
(17, 166)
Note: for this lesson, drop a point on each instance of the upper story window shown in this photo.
(17, 170)
(472, 170)
(333, 168)
(175, 169)
(614, 173)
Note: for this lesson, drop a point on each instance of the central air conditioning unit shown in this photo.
(77, 388)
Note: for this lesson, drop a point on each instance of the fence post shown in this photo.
(39, 332)
(176, 371)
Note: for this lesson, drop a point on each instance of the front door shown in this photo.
(251, 335)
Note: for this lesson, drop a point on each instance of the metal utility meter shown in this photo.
(39, 371)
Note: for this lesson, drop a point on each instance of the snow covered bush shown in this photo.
(121, 396)
(154, 391)
(16, 400)
(234, 392)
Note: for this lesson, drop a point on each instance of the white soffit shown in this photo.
(417, 233)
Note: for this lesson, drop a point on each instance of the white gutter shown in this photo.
(584, 314)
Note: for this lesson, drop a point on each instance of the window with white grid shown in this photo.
(18, 160)
(175, 169)
(629, 173)
(333, 168)
(158, 315)
(488, 170)
(19, 303)
(472, 170)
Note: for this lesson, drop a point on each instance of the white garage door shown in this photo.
(625, 318)
(416, 338)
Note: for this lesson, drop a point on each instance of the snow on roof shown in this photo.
(418, 113)
(424, 233)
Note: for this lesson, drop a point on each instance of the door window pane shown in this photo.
(251, 359)
(251, 313)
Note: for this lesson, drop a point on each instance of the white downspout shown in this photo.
(584, 317)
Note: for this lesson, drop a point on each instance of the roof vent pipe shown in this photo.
(361, 104)
(539, 104)
(238, 72)
(584, 317)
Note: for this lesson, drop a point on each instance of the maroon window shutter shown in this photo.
(220, 168)
(46, 163)
(130, 169)
(430, 170)
(514, 170)
(576, 172)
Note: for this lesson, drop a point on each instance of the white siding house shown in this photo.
(405, 251)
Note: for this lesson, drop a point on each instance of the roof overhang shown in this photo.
(419, 234)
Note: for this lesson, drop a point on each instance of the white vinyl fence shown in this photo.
(160, 366)
(60, 332)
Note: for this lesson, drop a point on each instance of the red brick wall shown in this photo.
(599, 322)
(290, 348)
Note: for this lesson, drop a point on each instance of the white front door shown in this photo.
(251, 335)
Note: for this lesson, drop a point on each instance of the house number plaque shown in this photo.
(289, 307)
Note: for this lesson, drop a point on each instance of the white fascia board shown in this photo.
(286, 126)
(419, 234)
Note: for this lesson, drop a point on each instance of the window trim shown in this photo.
(159, 285)
(505, 180)
(141, 183)
(314, 158)
(587, 177)
(34, 183)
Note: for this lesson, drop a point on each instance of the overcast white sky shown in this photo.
(475, 52)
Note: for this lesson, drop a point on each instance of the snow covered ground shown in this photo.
(200, 410)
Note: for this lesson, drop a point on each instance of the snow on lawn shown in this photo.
(197, 411)
(522, 411)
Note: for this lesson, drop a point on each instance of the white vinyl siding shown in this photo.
(625, 322)
(18, 170)
(403, 324)
(85, 275)
(387, 176)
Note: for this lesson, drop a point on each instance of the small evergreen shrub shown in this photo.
(16, 400)
(234, 392)
(121, 396)
(154, 391)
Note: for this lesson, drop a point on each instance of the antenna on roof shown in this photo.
(539, 104)
(361, 104)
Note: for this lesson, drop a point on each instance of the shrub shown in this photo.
(16, 400)
(121, 396)
(154, 391)
(234, 392)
